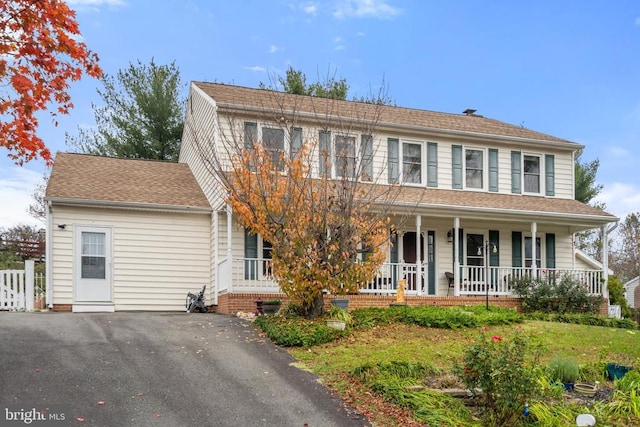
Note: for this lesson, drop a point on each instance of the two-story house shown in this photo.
(480, 202)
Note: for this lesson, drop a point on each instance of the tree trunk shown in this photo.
(315, 308)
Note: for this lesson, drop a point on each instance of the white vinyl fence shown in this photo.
(17, 288)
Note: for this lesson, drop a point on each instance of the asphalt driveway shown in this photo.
(156, 369)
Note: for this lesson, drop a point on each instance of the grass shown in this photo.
(588, 345)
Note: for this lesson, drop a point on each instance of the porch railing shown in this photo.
(473, 280)
(253, 275)
(256, 275)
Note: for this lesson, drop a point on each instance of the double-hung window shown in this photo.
(531, 173)
(405, 161)
(366, 158)
(345, 156)
(273, 141)
(412, 162)
(474, 168)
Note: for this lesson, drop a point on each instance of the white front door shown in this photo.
(93, 264)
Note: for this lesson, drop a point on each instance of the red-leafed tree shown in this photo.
(40, 54)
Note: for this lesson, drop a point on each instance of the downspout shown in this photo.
(48, 258)
(605, 257)
(216, 257)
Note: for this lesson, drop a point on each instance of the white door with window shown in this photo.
(92, 262)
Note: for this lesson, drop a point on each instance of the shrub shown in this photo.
(616, 296)
(563, 294)
(564, 370)
(296, 331)
(436, 317)
(501, 374)
(584, 319)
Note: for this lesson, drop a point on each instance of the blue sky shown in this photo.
(567, 68)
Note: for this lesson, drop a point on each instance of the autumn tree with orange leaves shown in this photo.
(40, 54)
(326, 221)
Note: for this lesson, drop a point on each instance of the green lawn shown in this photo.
(589, 345)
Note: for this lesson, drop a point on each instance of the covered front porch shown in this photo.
(253, 276)
(435, 259)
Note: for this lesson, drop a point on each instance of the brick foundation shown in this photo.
(233, 303)
(62, 307)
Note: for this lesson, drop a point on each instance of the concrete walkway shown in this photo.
(157, 369)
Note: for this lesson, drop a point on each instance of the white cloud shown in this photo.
(310, 9)
(619, 152)
(16, 185)
(365, 9)
(621, 198)
(360, 34)
(256, 69)
(273, 48)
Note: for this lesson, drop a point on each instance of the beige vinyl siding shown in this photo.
(198, 140)
(157, 257)
(232, 129)
(564, 177)
(581, 264)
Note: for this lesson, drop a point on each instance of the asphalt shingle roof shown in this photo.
(130, 181)
(430, 197)
(230, 96)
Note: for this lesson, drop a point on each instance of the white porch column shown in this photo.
(456, 259)
(534, 255)
(605, 261)
(418, 255)
(228, 274)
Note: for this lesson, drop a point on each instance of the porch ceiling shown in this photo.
(514, 208)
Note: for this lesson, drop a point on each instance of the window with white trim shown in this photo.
(412, 162)
(273, 141)
(345, 156)
(342, 156)
(531, 170)
(474, 168)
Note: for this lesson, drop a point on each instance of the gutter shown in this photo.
(474, 209)
(127, 205)
(612, 227)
